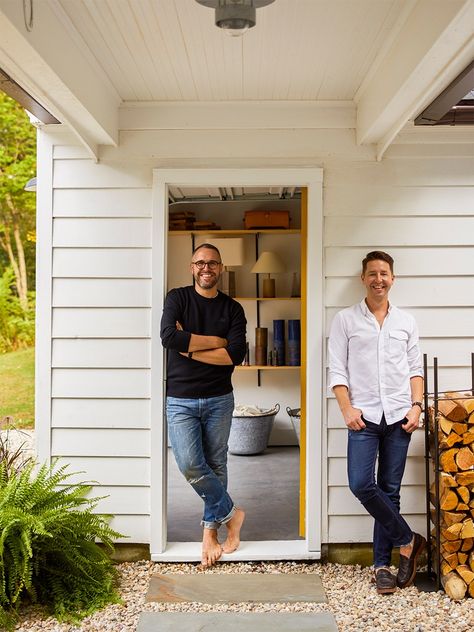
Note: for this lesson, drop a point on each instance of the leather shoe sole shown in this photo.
(407, 566)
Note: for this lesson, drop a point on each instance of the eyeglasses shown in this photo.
(212, 264)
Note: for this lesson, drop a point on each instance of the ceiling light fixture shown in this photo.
(235, 16)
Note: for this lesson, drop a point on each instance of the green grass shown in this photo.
(17, 387)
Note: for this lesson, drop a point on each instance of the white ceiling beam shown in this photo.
(52, 63)
(238, 115)
(432, 47)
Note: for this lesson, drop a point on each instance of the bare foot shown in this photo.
(211, 549)
(233, 531)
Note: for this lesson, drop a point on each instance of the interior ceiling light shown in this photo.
(235, 16)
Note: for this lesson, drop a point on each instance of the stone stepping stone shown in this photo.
(236, 622)
(234, 588)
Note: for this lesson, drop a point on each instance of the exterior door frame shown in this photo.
(311, 178)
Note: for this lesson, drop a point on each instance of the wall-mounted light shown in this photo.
(235, 16)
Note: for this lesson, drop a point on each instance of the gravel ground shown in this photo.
(351, 598)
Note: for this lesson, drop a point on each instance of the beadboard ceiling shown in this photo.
(160, 50)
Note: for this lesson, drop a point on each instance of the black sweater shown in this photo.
(219, 316)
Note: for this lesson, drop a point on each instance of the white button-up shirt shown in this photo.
(375, 363)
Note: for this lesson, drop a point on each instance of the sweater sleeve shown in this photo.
(171, 337)
(236, 334)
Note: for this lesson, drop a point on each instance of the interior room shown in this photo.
(260, 234)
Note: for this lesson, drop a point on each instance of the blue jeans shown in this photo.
(381, 498)
(199, 433)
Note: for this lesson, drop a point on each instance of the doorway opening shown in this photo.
(275, 487)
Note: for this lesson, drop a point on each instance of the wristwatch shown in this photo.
(417, 404)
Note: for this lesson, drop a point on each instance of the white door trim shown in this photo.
(311, 178)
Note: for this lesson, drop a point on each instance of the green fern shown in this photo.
(48, 544)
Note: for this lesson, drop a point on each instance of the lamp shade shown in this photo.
(268, 263)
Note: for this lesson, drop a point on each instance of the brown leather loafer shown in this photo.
(385, 582)
(407, 565)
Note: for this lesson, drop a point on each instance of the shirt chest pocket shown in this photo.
(398, 342)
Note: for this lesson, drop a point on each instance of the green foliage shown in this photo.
(48, 548)
(17, 166)
(17, 390)
(17, 326)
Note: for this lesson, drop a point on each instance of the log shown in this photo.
(447, 460)
(468, 437)
(451, 409)
(464, 458)
(467, 530)
(465, 478)
(471, 418)
(454, 586)
(449, 500)
(445, 568)
(465, 572)
(450, 546)
(462, 558)
(446, 425)
(455, 529)
(451, 440)
(459, 428)
(467, 545)
(449, 517)
(463, 494)
(471, 560)
(470, 590)
(451, 559)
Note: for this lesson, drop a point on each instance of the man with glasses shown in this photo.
(204, 332)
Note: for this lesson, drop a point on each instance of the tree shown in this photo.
(17, 207)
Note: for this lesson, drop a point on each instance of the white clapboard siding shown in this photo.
(135, 529)
(101, 353)
(341, 501)
(119, 232)
(102, 203)
(122, 499)
(414, 471)
(337, 443)
(86, 174)
(410, 261)
(100, 413)
(110, 471)
(102, 263)
(84, 442)
(391, 231)
(402, 173)
(360, 528)
(413, 292)
(101, 383)
(386, 200)
(101, 292)
(101, 322)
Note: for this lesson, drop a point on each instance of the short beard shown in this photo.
(206, 285)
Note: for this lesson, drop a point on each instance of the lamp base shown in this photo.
(268, 288)
(226, 283)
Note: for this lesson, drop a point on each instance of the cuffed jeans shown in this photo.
(199, 434)
(381, 498)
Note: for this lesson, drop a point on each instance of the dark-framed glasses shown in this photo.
(212, 264)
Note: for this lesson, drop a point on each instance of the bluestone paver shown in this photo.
(236, 622)
(234, 588)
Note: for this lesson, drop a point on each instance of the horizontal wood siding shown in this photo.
(101, 300)
(415, 203)
(421, 211)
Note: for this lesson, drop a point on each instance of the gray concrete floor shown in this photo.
(265, 485)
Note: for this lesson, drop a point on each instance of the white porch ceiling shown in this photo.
(97, 63)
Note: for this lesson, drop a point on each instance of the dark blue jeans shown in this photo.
(199, 433)
(380, 497)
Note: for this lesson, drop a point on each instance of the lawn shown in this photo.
(17, 387)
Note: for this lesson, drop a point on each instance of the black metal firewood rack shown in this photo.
(432, 455)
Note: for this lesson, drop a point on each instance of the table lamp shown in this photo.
(268, 263)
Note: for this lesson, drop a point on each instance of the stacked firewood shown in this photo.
(456, 493)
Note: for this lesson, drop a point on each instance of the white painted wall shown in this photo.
(94, 314)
